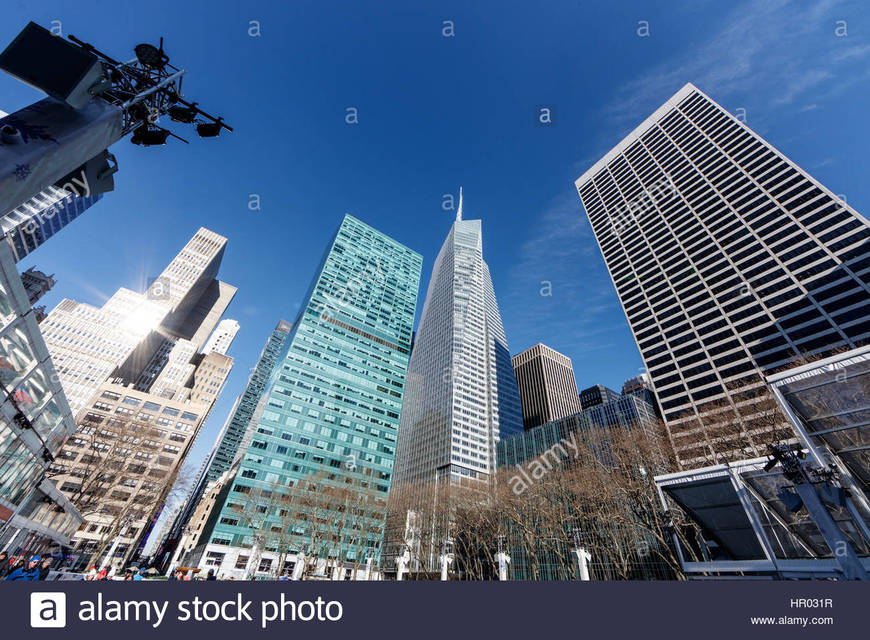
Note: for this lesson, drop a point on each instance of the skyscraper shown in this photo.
(229, 439)
(597, 394)
(143, 390)
(138, 336)
(316, 464)
(730, 262)
(462, 394)
(36, 284)
(547, 387)
(222, 337)
(462, 398)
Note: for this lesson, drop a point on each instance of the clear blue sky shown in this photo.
(437, 112)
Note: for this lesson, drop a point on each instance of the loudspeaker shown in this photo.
(56, 66)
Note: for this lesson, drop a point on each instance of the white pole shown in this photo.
(446, 559)
(111, 553)
(298, 567)
(583, 558)
(503, 560)
(402, 565)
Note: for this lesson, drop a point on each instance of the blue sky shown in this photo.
(437, 112)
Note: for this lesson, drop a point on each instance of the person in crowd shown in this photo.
(211, 575)
(5, 564)
(139, 575)
(29, 572)
(45, 568)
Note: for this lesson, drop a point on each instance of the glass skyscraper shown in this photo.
(462, 395)
(730, 262)
(462, 398)
(230, 438)
(326, 424)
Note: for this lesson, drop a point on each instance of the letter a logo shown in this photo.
(48, 609)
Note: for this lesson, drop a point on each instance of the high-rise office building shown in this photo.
(461, 398)
(462, 394)
(729, 260)
(597, 394)
(548, 390)
(636, 383)
(222, 337)
(230, 438)
(143, 388)
(134, 336)
(631, 411)
(323, 435)
(640, 385)
(32, 223)
(36, 284)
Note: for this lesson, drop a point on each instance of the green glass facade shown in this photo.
(330, 411)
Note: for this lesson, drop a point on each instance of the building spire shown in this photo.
(459, 210)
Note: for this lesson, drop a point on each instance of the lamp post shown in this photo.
(582, 555)
(446, 558)
(402, 561)
(502, 559)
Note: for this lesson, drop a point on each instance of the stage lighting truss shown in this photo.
(146, 88)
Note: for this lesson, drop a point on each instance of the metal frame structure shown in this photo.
(769, 566)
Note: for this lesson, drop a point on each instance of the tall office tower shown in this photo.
(36, 284)
(230, 437)
(641, 385)
(228, 441)
(462, 394)
(123, 461)
(322, 438)
(31, 223)
(546, 383)
(132, 336)
(462, 397)
(729, 260)
(134, 366)
(222, 337)
(595, 395)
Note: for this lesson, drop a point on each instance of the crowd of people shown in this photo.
(37, 568)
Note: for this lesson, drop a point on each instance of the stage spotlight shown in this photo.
(182, 114)
(209, 129)
(148, 137)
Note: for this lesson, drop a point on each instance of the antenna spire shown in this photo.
(459, 210)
